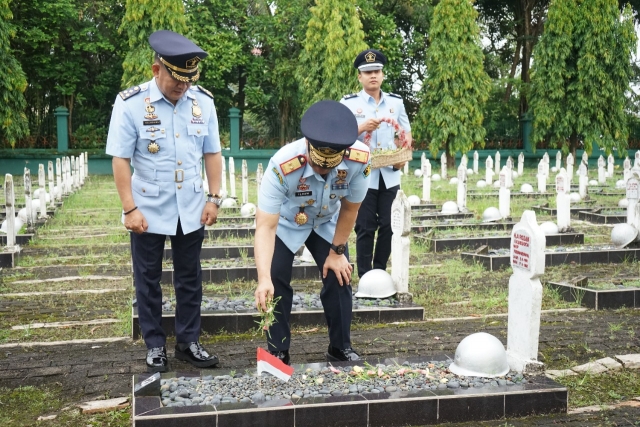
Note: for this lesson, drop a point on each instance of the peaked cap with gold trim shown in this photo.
(178, 54)
(369, 60)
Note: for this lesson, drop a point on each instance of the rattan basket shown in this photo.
(382, 158)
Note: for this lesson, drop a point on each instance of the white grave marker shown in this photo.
(232, 178)
(401, 228)
(558, 160)
(602, 173)
(27, 198)
(443, 166)
(569, 171)
(476, 159)
(426, 181)
(542, 177)
(43, 191)
(626, 165)
(462, 188)
(259, 174)
(489, 173)
(504, 195)
(59, 179)
(545, 157)
(562, 201)
(610, 164)
(636, 160)
(633, 194)
(52, 197)
(525, 294)
(585, 157)
(509, 174)
(520, 164)
(496, 163)
(583, 181)
(10, 204)
(223, 183)
(245, 182)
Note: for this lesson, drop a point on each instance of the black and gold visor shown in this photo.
(325, 157)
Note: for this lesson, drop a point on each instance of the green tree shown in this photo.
(13, 120)
(143, 17)
(582, 71)
(457, 86)
(333, 39)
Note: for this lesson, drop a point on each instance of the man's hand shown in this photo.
(340, 265)
(369, 126)
(399, 166)
(136, 222)
(264, 293)
(209, 214)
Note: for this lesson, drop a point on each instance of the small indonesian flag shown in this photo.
(271, 364)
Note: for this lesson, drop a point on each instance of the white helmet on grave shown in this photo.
(413, 200)
(376, 283)
(526, 188)
(574, 197)
(450, 207)
(481, 184)
(229, 203)
(418, 173)
(435, 177)
(623, 203)
(480, 355)
(549, 227)
(623, 234)
(453, 180)
(248, 210)
(491, 214)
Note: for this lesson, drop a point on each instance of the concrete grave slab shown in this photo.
(590, 368)
(609, 363)
(630, 361)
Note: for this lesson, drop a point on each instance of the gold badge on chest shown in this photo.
(195, 109)
(153, 147)
(150, 109)
(301, 217)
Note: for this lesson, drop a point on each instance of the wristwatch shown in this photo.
(215, 199)
(339, 249)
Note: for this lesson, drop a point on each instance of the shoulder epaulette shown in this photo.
(395, 95)
(351, 95)
(293, 164)
(128, 93)
(203, 90)
(354, 155)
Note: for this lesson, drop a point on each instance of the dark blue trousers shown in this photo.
(336, 299)
(147, 251)
(374, 215)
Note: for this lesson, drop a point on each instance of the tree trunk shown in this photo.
(527, 45)
(284, 120)
(512, 73)
(242, 81)
(451, 159)
(573, 144)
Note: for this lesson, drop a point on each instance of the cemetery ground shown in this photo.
(65, 313)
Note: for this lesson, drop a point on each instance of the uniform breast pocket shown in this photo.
(152, 142)
(197, 134)
(145, 188)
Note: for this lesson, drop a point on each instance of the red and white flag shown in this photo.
(271, 364)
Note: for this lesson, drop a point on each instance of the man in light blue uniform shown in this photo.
(310, 194)
(163, 128)
(369, 106)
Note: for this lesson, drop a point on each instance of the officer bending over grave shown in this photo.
(310, 195)
(163, 128)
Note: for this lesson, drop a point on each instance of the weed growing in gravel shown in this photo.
(610, 387)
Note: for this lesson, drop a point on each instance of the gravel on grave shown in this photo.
(331, 381)
(301, 300)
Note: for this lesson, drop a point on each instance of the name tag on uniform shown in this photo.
(303, 193)
(150, 122)
(359, 116)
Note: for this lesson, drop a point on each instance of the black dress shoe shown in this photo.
(342, 355)
(282, 355)
(157, 360)
(196, 354)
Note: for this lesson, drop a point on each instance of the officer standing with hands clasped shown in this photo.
(307, 184)
(163, 128)
(369, 107)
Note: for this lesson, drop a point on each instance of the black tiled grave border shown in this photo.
(439, 245)
(598, 299)
(540, 396)
(514, 194)
(438, 215)
(244, 321)
(21, 239)
(596, 217)
(615, 256)
(504, 226)
(7, 259)
(575, 210)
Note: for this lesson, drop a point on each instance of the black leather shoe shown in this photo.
(341, 355)
(157, 360)
(282, 355)
(196, 354)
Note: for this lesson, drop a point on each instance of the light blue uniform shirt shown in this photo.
(284, 193)
(364, 107)
(166, 152)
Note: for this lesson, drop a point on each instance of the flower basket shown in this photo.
(385, 157)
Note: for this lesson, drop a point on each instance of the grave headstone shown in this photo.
(636, 159)
(223, 183)
(570, 164)
(520, 164)
(504, 194)
(259, 173)
(562, 201)
(585, 157)
(59, 179)
(10, 205)
(509, 174)
(86, 164)
(489, 172)
(558, 160)
(610, 165)
(542, 177)
(232, 178)
(43, 191)
(52, 197)
(626, 165)
(464, 160)
(443, 166)
(401, 228)
(496, 163)
(27, 198)
(81, 170)
(583, 181)
(545, 158)
(426, 180)
(633, 194)
(602, 173)
(406, 169)
(245, 182)
(462, 188)
(476, 159)
(525, 295)
(423, 159)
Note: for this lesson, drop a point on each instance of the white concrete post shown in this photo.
(542, 177)
(488, 177)
(223, 183)
(401, 228)
(52, 197)
(633, 193)
(81, 170)
(545, 157)
(602, 173)
(585, 157)
(509, 174)
(504, 195)
(27, 198)
(426, 181)
(636, 159)
(443, 166)
(86, 164)
(406, 169)
(558, 160)
(520, 164)
(245, 183)
(43, 191)
(59, 179)
(525, 294)
(496, 164)
(610, 165)
(583, 181)
(626, 165)
(570, 164)
(462, 188)
(476, 158)
(232, 178)
(562, 201)
(10, 204)
(464, 160)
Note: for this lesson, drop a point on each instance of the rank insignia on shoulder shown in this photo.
(351, 95)
(205, 91)
(367, 171)
(395, 95)
(278, 175)
(293, 164)
(354, 155)
(128, 93)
